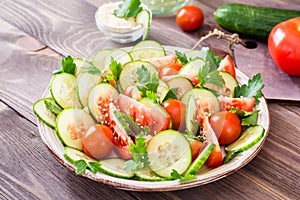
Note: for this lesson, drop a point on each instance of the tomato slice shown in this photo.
(215, 159)
(121, 139)
(243, 103)
(227, 65)
(156, 119)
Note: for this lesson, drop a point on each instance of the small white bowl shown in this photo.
(118, 29)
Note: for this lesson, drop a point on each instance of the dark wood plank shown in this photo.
(24, 80)
(29, 171)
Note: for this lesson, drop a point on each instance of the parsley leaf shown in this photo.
(252, 89)
(128, 8)
(94, 166)
(210, 75)
(182, 57)
(115, 68)
(52, 107)
(68, 65)
(248, 118)
(251, 119)
(209, 56)
(147, 83)
(80, 165)
(136, 129)
(176, 175)
(139, 155)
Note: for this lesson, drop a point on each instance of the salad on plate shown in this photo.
(152, 112)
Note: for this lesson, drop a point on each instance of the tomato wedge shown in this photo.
(155, 118)
(243, 103)
(227, 65)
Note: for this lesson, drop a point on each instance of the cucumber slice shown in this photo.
(146, 174)
(147, 49)
(248, 139)
(128, 75)
(44, 114)
(63, 90)
(183, 85)
(169, 150)
(162, 90)
(193, 54)
(85, 81)
(73, 155)
(144, 18)
(230, 83)
(71, 123)
(98, 101)
(207, 100)
(119, 55)
(190, 70)
(99, 58)
(115, 167)
(191, 115)
(200, 160)
(80, 65)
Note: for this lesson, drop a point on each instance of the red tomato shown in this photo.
(153, 117)
(169, 70)
(227, 65)
(243, 103)
(97, 141)
(215, 159)
(226, 125)
(176, 110)
(283, 44)
(190, 17)
(196, 146)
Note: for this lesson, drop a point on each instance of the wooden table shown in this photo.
(35, 34)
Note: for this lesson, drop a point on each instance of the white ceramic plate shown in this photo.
(50, 138)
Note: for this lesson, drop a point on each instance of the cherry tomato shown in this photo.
(97, 141)
(176, 110)
(226, 125)
(227, 65)
(283, 44)
(195, 146)
(189, 17)
(215, 159)
(243, 103)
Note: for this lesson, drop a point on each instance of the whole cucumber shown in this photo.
(251, 21)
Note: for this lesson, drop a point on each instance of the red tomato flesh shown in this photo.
(243, 103)
(227, 65)
(156, 119)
